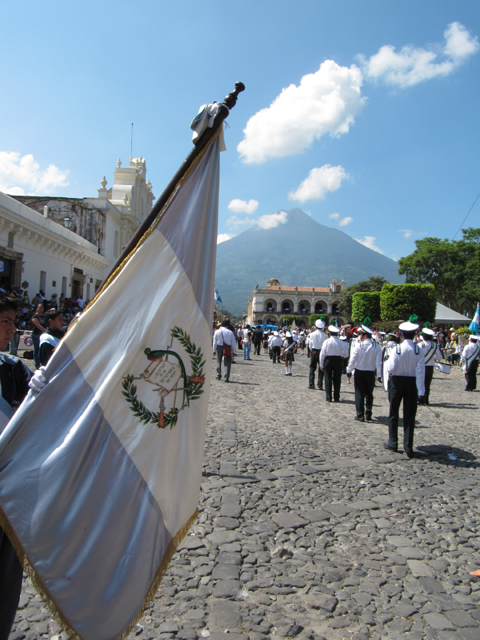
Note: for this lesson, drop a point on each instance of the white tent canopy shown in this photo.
(444, 315)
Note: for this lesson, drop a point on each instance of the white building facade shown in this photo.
(68, 245)
(270, 305)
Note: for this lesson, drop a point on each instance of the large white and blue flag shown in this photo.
(475, 323)
(100, 472)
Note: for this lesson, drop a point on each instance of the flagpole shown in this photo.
(228, 103)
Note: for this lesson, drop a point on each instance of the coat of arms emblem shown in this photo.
(165, 380)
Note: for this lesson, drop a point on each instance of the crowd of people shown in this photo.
(46, 319)
(403, 361)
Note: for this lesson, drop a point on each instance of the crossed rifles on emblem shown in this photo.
(166, 375)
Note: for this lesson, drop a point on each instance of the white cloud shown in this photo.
(318, 182)
(413, 65)
(369, 242)
(270, 221)
(242, 206)
(407, 233)
(334, 216)
(20, 175)
(235, 221)
(345, 221)
(223, 237)
(325, 102)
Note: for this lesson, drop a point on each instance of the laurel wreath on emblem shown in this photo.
(193, 388)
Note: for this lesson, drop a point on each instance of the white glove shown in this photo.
(38, 381)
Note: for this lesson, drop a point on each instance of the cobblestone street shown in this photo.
(308, 528)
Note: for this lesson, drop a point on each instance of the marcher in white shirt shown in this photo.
(333, 350)
(365, 358)
(469, 361)
(433, 354)
(223, 336)
(406, 370)
(316, 340)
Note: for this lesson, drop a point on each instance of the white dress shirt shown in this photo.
(317, 338)
(468, 353)
(366, 356)
(224, 336)
(410, 362)
(432, 352)
(333, 347)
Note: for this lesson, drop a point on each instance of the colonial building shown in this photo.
(270, 305)
(68, 245)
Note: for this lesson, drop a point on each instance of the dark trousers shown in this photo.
(314, 367)
(276, 354)
(428, 382)
(471, 376)
(257, 348)
(10, 585)
(402, 388)
(364, 386)
(333, 375)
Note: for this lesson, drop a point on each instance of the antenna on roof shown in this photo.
(131, 144)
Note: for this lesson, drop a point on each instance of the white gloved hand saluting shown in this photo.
(38, 381)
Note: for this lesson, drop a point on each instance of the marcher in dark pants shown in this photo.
(469, 361)
(316, 340)
(331, 356)
(365, 359)
(406, 371)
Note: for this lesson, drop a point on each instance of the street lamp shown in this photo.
(67, 222)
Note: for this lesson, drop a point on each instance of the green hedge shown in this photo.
(366, 304)
(400, 301)
(315, 316)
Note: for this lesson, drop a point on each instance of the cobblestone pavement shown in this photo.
(308, 528)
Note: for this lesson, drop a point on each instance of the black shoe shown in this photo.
(219, 378)
(311, 386)
(368, 419)
(385, 446)
(321, 388)
(410, 454)
(359, 419)
(337, 400)
(328, 400)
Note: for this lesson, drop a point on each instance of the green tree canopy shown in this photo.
(450, 265)
(374, 283)
(366, 304)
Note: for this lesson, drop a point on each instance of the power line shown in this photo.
(466, 217)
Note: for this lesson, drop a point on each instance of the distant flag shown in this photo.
(475, 323)
(100, 473)
(216, 296)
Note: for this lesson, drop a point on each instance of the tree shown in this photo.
(374, 283)
(450, 265)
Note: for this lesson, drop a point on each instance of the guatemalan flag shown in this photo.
(475, 323)
(100, 472)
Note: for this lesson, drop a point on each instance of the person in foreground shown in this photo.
(406, 371)
(14, 379)
(365, 358)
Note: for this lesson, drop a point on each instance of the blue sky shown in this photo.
(363, 113)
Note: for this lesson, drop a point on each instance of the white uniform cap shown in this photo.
(473, 337)
(333, 329)
(408, 326)
(288, 334)
(320, 324)
(366, 330)
(427, 331)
